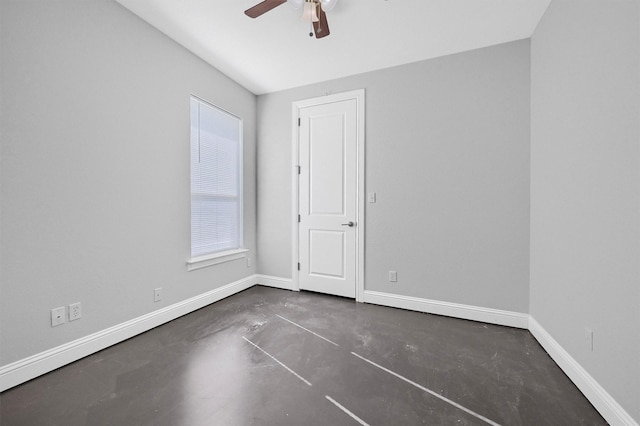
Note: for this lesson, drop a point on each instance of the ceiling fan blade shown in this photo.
(321, 27)
(263, 7)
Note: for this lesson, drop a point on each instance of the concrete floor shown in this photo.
(275, 357)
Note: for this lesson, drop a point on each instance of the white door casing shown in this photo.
(328, 194)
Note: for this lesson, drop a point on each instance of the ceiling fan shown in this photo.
(314, 12)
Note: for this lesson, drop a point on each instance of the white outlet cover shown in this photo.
(588, 339)
(58, 316)
(75, 311)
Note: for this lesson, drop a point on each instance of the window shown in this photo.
(216, 180)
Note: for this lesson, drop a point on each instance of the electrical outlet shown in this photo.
(157, 294)
(371, 197)
(393, 276)
(248, 262)
(588, 339)
(58, 316)
(75, 311)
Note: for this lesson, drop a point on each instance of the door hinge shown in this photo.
(298, 266)
(299, 220)
(299, 168)
(298, 121)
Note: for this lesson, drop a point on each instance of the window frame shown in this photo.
(225, 255)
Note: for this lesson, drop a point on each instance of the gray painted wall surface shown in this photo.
(447, 152)
(585, 187)
(95, 169)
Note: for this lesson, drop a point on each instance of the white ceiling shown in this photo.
(274, 51)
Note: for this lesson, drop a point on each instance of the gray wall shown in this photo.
(447, 152)
(95, 169)
(94, 178)
(585, 187)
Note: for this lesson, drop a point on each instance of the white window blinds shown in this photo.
(216, 180)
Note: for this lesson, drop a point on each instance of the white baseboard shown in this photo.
(612, 412)
(474, 313)
(276, 282)
(606, 405)
(29, 368)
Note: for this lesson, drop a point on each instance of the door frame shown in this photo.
(296, 106)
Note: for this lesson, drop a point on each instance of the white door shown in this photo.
(328, 204)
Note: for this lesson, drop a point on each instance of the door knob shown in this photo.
(350, 224)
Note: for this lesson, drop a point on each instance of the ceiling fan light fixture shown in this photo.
(309, 13)
(328, 5)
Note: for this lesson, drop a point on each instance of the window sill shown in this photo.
(215, 259)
